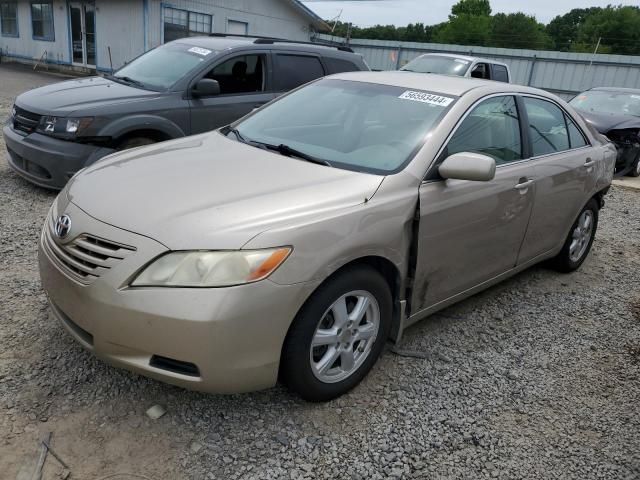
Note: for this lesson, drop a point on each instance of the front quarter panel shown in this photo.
(380, 227)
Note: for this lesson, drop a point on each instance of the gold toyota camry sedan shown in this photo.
(292, 244)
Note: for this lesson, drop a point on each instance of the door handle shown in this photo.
(524, 184)
(589, 163)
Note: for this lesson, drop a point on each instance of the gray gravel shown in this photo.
(538, 377)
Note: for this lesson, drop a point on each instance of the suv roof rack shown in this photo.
(260, 40)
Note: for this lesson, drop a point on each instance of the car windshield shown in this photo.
(162, 67)
(438, 64)
(601, 101)
(348, 124)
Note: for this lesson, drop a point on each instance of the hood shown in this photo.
(211, 192)
(605, 122)
(66, 97)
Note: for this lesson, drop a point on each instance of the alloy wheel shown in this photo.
(344, 336)
(581, 236)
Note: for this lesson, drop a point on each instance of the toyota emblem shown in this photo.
(62, 226)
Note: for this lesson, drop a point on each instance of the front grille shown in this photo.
(86, 257)
(25, 121)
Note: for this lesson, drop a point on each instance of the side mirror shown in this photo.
(206, 87)
(468, 166)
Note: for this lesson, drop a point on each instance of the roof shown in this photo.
(316, 21)
(463, 57)
(450, 85)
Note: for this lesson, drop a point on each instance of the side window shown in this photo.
(294, 70)
(243, 74)
(576, 137)
(500, 73)
(481, 70)
(492, 128)
(338, 65)
(547, 127)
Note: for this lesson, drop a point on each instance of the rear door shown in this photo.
(564, 164)
(471, 232)
(292, 69)
(245, 84)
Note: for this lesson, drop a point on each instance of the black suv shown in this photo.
(184, 87)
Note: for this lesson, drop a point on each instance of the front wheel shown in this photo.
(579, 241)
(338, 335)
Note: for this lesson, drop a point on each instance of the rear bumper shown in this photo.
(46, 161)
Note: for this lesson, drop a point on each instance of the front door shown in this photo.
(244, 86)
(471, 232)
(82, 19)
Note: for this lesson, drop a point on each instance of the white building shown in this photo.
(99, 34)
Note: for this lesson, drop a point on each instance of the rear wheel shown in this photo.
(635, 171)
(579, 241)
(338, 335)
(134, 142)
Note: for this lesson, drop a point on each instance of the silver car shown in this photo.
(294, 243)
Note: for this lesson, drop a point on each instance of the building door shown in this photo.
(82, 18)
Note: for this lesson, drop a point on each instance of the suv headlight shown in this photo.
(63, 126)
(211, 268)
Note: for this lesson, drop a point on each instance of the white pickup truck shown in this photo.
(459, 65)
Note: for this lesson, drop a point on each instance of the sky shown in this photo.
(402, 12)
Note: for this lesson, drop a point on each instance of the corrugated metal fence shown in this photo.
(563, 73)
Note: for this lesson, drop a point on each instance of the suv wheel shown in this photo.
(338, 335)
(134, 142)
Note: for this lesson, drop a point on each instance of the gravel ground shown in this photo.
(538, 377)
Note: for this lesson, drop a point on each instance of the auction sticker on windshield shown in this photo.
(200, 51)
(426, 98)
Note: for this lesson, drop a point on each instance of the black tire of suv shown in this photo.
(135, 142)
(295, 365)
(563, 262)
(635, 170)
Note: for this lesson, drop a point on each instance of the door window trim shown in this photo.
(268, 82)
(523, 119)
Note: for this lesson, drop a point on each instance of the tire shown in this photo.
(134, 142)
(351, 288)
(635, 171)
(573, 254)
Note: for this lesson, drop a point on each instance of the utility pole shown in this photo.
(349, 33)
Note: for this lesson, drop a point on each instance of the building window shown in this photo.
(237, 28)
(42, 21)
(9, 19)
(182, 23)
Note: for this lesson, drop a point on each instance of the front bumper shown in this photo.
(46, 161)
(219, 340)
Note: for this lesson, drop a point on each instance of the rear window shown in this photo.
(500, 73)
(338, 65)
(295, 70)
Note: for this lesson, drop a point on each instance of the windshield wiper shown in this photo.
(129, 80)
(287, 151)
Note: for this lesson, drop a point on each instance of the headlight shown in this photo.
(211, 268)
(63, 126)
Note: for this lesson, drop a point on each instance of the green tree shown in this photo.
(471, 7)
(518, 30)
(618, 27)
(563, 29)
(465, 29)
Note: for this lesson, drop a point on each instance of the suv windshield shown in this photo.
(162, 67)
(438, 64)
(600, 101)
(348, 124)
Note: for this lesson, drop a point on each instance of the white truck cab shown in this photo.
(459, 65)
